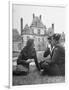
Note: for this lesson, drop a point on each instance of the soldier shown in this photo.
(56, 66)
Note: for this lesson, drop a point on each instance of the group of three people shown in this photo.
(54, 66)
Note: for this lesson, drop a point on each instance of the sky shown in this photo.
(50, 15)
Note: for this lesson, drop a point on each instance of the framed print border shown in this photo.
(10, 31)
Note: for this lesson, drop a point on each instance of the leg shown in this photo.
(44, 66)
(41, 64)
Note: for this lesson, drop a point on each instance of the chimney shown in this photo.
(53, 26)
(33, 15)
(21, 25)
(40, 17)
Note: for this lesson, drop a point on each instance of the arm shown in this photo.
(29, 61)
(36, 62)
(35, 59)
(47, 52)
(55, 56)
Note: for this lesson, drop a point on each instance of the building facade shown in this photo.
(17, 41)
(37, 31)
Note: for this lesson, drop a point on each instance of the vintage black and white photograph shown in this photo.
(38, 44)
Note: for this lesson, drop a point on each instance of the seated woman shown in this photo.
(56, 66)
(24, 59)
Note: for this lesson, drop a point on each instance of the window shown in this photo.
(43, 39)
(38, 31)
(28, 37)
(38, 39)
(50, 32)
(33, 31)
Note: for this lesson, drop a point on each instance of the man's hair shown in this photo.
(56, 37)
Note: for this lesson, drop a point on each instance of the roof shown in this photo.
(26, 27)
(27, 30)
(15, 35)
(37, 23)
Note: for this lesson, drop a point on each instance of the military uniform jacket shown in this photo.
(58, 55)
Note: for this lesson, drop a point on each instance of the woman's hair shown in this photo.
(29, 43)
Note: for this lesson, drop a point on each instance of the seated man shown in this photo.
(56, 66)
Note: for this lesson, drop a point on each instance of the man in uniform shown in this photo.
(56, 66)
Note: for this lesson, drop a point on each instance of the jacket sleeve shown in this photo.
(58, 56)
(47, 52)
(55, 56)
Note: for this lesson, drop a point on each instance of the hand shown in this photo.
(48, 61)
(41, 71)
(29, 61)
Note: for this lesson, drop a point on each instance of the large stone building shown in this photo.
(37, 31)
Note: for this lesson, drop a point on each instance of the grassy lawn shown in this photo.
(34, 76)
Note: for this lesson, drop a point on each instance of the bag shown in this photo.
(20, 70)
